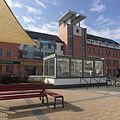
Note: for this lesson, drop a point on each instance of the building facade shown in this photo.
(80, 44)
(28, 60)
(72, 40)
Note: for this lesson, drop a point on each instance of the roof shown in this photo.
(10, 29)
(89, 36)
(75, 18)
(37, 35)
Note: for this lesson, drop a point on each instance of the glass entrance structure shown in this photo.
(55, 66)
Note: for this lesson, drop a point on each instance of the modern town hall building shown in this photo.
(72, 41)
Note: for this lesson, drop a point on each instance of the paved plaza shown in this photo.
(80, 104)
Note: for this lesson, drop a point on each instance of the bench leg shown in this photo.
(47, 101)
(62, 102)
(54, 102)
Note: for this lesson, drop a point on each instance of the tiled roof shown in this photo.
(37, 35)
(97, 38)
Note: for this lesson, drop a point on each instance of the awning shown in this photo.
(10, 29)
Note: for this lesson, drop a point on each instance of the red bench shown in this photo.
(19, 91)
(55, 95)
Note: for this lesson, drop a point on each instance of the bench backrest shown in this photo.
(20, 87)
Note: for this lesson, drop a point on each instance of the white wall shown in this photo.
(70, 81)
(58, 51)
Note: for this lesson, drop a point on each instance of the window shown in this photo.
(9, 69)
(93, 50)
(0, 70)
(98, 68)
(62, 67)
(0, 52)
(77, 30)
(113, 53)
(88, 68)
(114, 63)
(102, 51)
(106, 52)
(116, 53)
(61, 47)
(98, 51)
(89, 49)
(109, 52)
(8, 53)
(76, 68)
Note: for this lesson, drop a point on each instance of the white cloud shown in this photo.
(53, 2)
(107, 32)
(14, 4)
(105, 22)
(50, 28)
(28, 19)
(33, 10)
(97, 6)
(39, 2)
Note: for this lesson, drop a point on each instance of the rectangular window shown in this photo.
(116, 53)
(89, 49)
(9, 69)
(8, 53)
(61, 47)
(113, 53)
(114, 63)
(88, 68)
(98, 68)
(98, 51)
(106, 52)
(62, 67)
(0, 52)
(102, 51)
(109, 52)
(93, 50)
(76, 68)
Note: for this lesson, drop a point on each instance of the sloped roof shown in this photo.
(89, 36)
(37, 35)
(10, 29)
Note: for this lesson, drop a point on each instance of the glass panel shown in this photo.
(51, 67)
(8, 53)
(9, 69)
(46, 67)
(0, 52)
(98, 68)
(88, 68)
(62, 67)
(30, 70)
(76, 68)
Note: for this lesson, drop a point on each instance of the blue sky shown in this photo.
(103, 16)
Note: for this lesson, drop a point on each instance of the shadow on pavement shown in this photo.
(29, 110)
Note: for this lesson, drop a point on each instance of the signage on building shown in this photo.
(30, 63)
(9, 62)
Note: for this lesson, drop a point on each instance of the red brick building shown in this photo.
(78, 43)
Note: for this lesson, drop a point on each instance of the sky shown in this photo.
(103, 16)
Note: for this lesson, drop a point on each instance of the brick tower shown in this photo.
(73, 36)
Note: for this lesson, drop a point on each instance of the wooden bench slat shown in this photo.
(23, 92)
(21, 96)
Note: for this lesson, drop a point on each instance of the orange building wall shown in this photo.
(63, 35)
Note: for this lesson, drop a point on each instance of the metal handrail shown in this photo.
(103, 79)
(94, 80)
(85, 81)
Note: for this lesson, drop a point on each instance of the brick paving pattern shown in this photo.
(80, 104)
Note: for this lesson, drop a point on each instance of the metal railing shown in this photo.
(84, 81)
(94, 80)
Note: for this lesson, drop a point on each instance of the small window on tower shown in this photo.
(77, 30)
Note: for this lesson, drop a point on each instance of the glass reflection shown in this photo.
(98, 68)
(62, 67)
(76, 68)
(88, 68)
